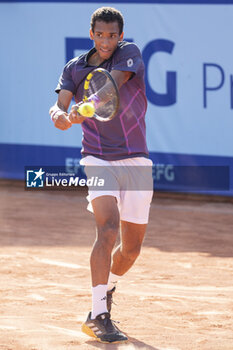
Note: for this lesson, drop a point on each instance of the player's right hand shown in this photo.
(61, 121)
(74, 116)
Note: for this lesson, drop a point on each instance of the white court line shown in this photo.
(39, 330)
(8, 327)
(185, 265)
(196, 298)
(156, 294)
(194, 288)
(36, 297)
(62, 264)
(33, 330)
(66, 331)
(69, 286)
(6, 317)
(210, 313)
(81, 318)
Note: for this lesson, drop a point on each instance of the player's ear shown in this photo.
(121, 36)
(91, 34)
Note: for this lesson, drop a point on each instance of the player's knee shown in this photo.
(132, 254)
(107, 233)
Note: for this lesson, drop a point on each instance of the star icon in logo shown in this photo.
(39, 174)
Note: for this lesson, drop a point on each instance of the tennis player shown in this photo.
(121, 141)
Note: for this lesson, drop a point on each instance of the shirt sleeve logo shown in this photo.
(130, 62)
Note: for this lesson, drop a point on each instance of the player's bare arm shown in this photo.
(64, 99)
(59, 112)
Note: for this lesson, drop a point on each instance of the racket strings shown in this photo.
(103, 87)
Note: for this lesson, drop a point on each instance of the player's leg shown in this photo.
(134, 213)
(98, 323)
(107, 226)
(126, 253)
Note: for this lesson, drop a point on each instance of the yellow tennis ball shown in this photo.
(87, 109)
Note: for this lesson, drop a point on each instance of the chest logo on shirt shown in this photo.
(130, 62)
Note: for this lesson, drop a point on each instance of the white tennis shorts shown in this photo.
(133, 204)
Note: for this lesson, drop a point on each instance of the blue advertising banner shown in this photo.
(189, 80)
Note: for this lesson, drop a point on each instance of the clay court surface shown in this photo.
(177, 296)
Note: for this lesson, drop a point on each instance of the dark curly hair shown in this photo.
(107, 14)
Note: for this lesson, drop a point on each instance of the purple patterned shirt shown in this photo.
(125, 135)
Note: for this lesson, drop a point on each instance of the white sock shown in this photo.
(112, 280)
(99, 300)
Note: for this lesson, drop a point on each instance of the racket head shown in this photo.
(100, 83)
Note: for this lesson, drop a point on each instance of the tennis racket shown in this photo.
(100, 96)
